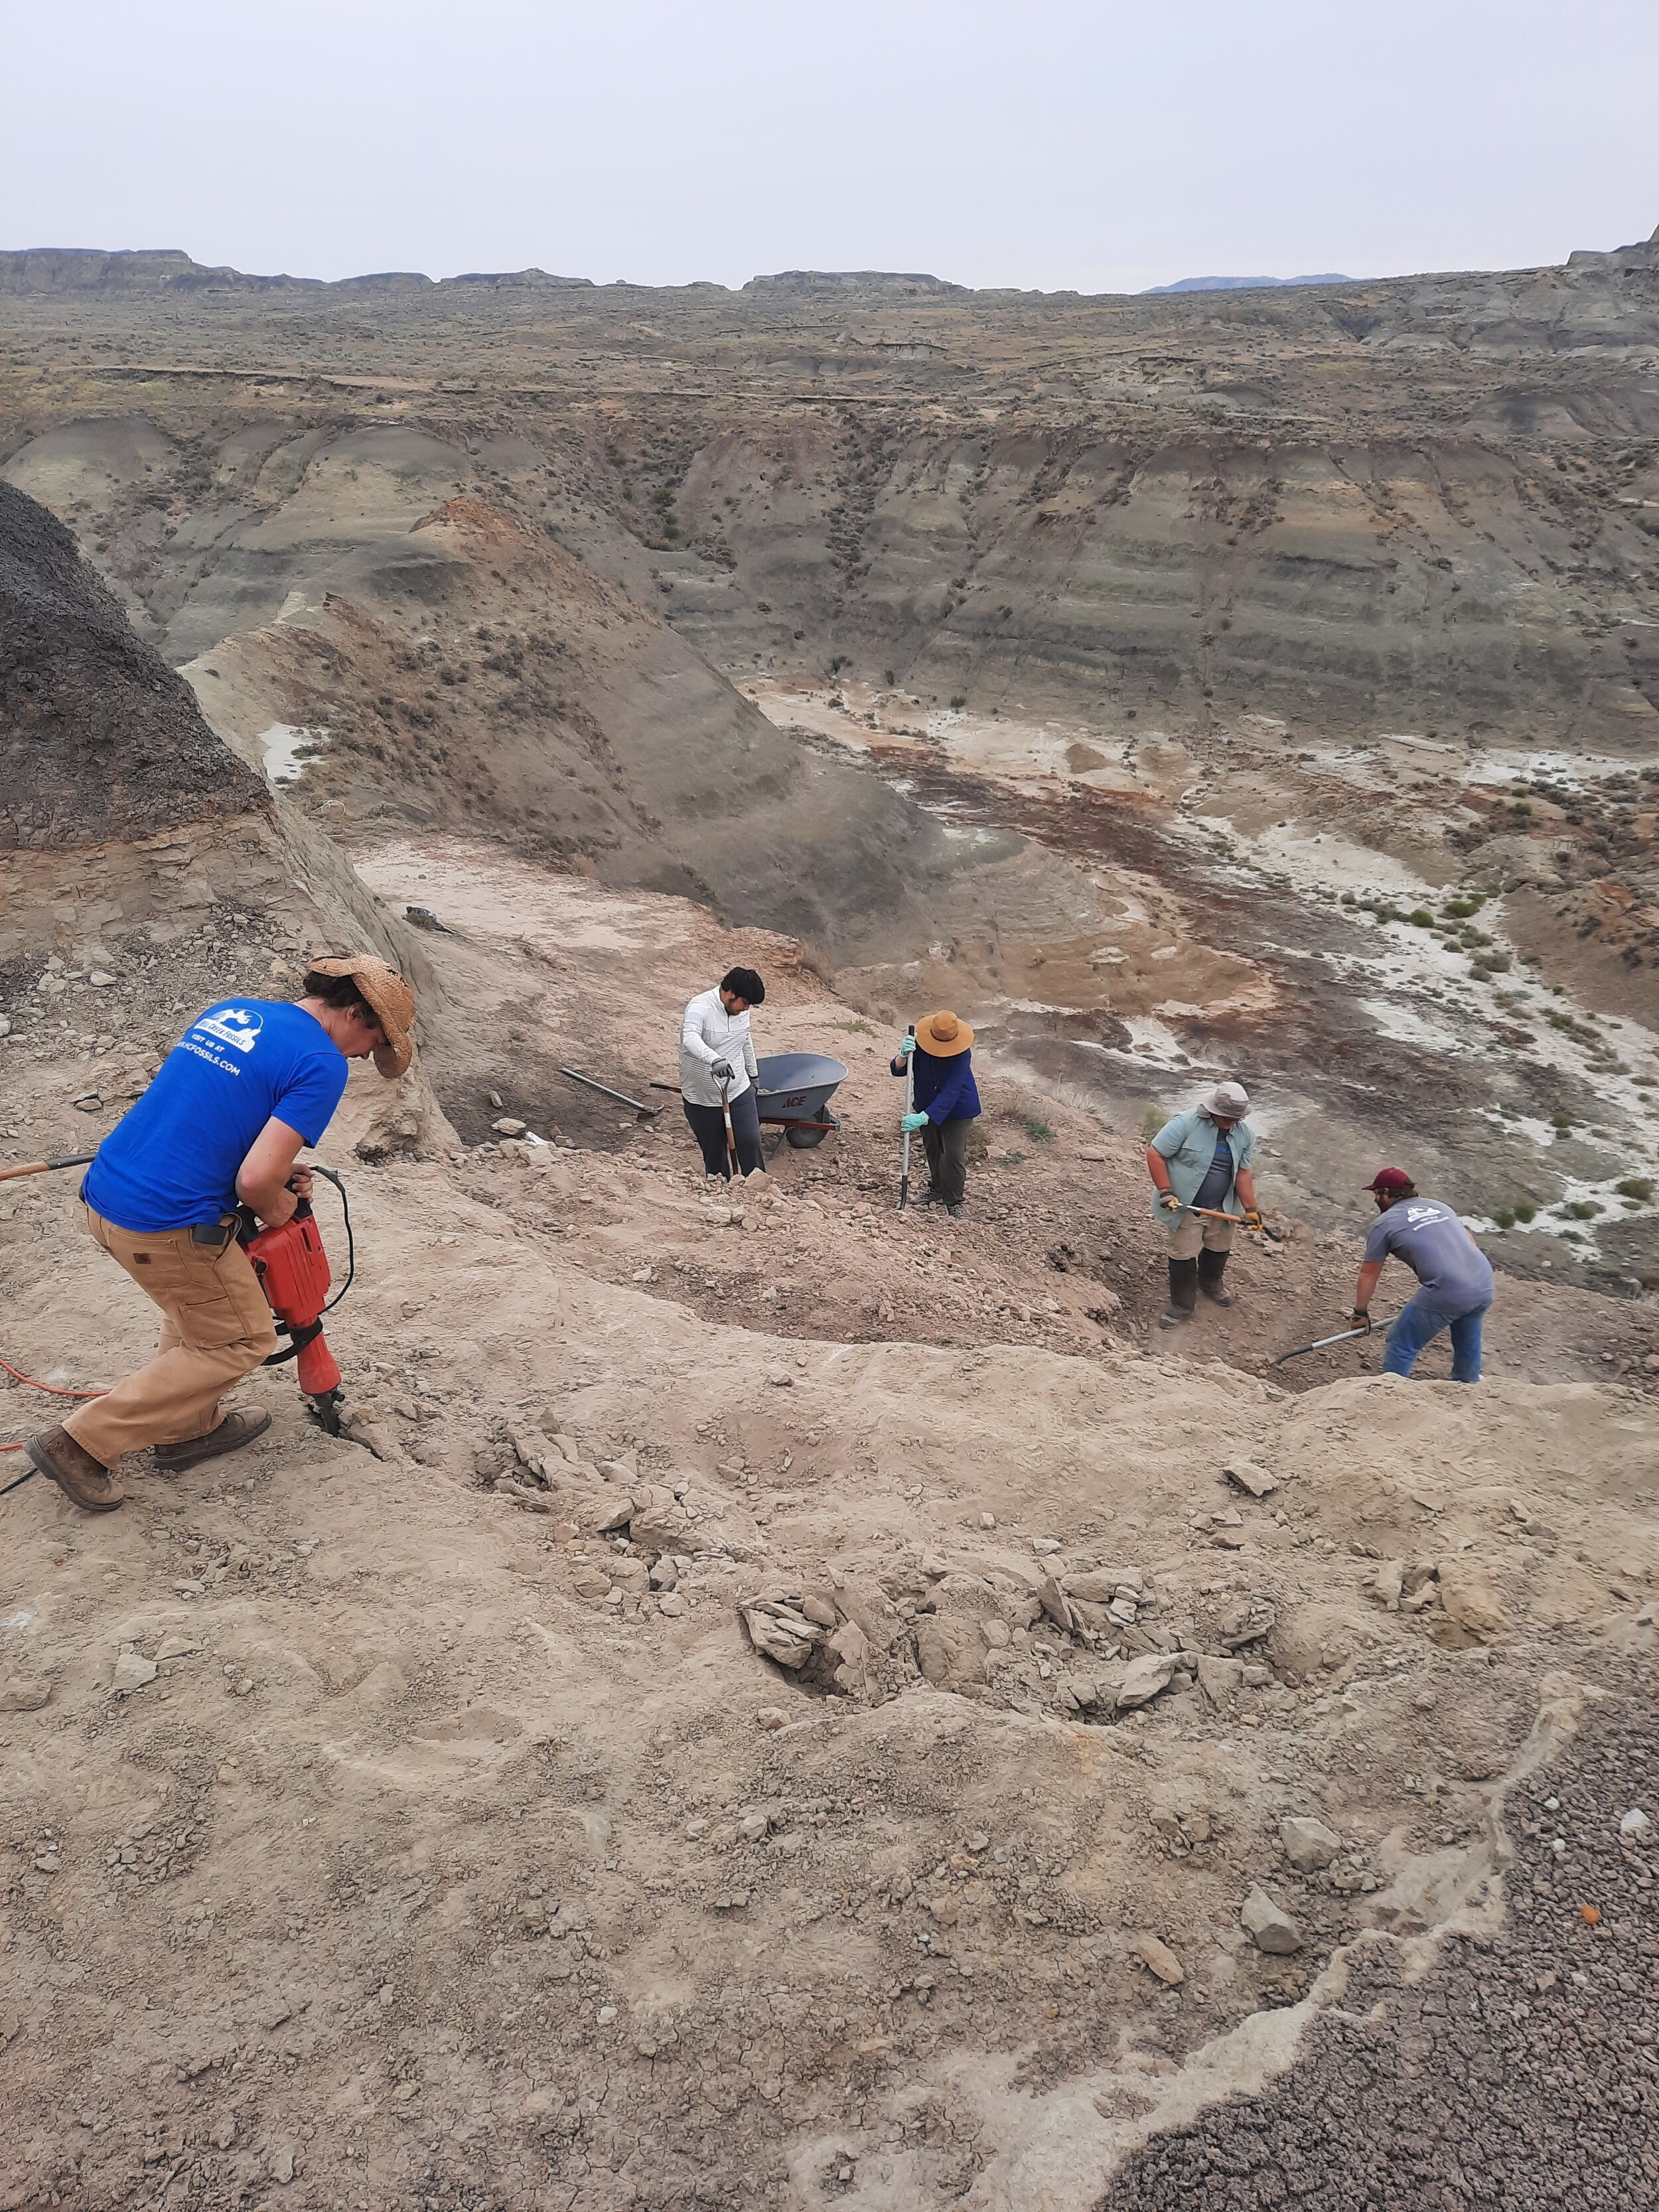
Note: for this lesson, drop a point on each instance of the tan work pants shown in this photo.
(1192, 1231)
(215, 1328)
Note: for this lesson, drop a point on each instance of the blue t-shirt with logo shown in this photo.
(171, 1160)
(1455, 1274)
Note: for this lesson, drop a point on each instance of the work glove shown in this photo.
(1253, 1220)
(907, 1046)
(722, 1072)
(1169, 1202)
(913, 1121)
(1360, 1319)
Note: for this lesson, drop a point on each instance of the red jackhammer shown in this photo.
(293, 1274)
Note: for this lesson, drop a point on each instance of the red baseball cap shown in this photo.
(1393, 1179)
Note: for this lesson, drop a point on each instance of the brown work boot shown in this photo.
(231, 1434)
(84, 1480)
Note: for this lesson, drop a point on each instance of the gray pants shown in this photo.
(946, 1147)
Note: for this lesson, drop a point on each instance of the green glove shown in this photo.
(907, 1046)
(913, 1121)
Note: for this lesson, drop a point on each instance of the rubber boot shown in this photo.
(1183, 1293)
(1211, 1266)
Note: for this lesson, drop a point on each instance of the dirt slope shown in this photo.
(462, 1845)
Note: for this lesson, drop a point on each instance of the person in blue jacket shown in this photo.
(946, 1100)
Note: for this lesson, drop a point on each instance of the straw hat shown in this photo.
(394, 1002)
(944, 1035)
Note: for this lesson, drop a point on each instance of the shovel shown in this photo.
(44, 1167)
(909, 1109)
(731, 1134)
(1320, 1343)
(1213, 1213)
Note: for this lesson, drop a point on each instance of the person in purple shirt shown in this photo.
(1453, 1276)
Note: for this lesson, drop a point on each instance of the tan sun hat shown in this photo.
(1228, 1101)
(392, 999)
(944, 1035)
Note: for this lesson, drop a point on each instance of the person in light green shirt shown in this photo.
(1200, 1164)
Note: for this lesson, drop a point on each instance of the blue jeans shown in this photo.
(1415, 1326)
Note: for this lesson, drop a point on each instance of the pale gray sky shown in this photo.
(1106, 147)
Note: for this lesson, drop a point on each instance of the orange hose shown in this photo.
(51, 1389)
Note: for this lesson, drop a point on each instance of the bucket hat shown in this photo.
(394, 1002)
(1230, 1101)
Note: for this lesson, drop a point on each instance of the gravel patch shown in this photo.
(1523, 2071)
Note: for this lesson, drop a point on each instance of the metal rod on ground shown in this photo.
(621, 1097)
(909, 1109)
(1320, 1343)
(44, 1167)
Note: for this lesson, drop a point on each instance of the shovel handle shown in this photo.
(44, 1167)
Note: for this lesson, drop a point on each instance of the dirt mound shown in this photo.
(98, 737)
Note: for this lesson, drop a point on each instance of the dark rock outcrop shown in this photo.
(98, 737)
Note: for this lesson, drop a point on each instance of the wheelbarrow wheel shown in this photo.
(802, 1140)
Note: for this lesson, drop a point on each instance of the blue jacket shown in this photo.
(946, 1091)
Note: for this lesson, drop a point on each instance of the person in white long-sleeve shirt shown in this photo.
(717, 1059)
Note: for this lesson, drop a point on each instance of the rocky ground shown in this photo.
(1519, 2068)
(785, 1711)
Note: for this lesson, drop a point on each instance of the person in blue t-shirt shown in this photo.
(250, 1082)
(1454, 1277)
(946, 1102)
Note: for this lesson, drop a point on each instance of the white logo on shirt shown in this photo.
(1417, 1215)
(232, 1025)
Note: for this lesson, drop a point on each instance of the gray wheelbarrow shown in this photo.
(793, 1091)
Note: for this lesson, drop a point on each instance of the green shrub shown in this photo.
(1504, 1220)
(1635, 1187)
(1525, 1210)
(1580, 1209)
(1040, 1133)
(1420, 918)
(1561, 1121)
(1152, 1122)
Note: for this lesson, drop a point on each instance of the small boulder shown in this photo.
(1220, 1680)
(1388, 1585)
(1158, 1959)
(1470, 1600)
(779, 1633)
(1144, 1679)
(1308, 1844)
(1268, 1926)
(132, 1672)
